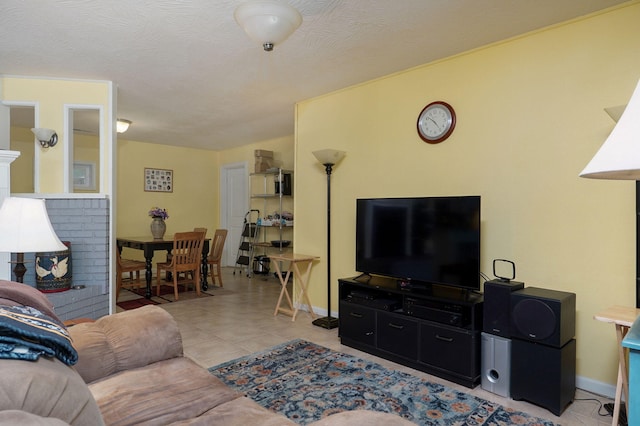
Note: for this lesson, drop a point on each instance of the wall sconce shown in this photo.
(267, 22)
(122, 125)
(47, 137)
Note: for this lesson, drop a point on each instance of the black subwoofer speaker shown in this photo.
(543, 316)
(543, 375)
(497, 306)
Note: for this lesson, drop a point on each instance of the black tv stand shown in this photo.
(432, 328)
(364, 277)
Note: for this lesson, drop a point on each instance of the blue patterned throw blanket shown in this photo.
(26, 333)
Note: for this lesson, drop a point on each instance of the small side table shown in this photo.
(623, 317)
(301, 264)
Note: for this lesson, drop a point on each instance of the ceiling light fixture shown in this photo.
(122, 125)
(46, 137)
(268, 22)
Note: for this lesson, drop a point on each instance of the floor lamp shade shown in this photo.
(618, 157)
(329, 156)
(25, 227)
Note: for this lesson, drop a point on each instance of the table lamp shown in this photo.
(25, 227)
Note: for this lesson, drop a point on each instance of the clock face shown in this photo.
(436, 122)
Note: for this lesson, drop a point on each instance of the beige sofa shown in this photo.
(131, 371)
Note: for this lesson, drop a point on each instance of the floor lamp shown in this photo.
(25, 227)
(328, 158)
(618, 158)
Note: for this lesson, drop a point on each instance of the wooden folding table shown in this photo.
(623, 317)
(301, 264)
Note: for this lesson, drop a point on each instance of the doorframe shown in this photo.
(224, 195)
(36, 151)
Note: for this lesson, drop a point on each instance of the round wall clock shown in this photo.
(436, 122)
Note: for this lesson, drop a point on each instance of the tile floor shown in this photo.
(240, 320)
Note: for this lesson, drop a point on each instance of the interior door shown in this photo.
(234, 204)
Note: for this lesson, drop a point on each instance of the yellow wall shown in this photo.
(22, 140)
(530, 117)
(193, 202)
(52, 95)
(282, 152)
(87, 150)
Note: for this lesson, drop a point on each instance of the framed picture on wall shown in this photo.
(158, 180)
(84, 176)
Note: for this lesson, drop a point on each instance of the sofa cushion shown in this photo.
(238, 412)
(22, 418)
(18, 294)
(127, 340)
(47, 388)
(160, 393)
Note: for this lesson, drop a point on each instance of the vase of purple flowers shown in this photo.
(158, 227)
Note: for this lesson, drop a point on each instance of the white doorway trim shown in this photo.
(234, 198)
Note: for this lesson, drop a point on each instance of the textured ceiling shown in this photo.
(187, 75)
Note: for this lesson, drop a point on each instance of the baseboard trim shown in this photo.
(596, 387)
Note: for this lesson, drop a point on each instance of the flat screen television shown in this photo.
(431, 240)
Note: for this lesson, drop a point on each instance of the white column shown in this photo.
(6, 158)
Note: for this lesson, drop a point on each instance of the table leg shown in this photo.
(622, 384)
(147, 275)
(205, 272)
(304, 282)
(283, 292)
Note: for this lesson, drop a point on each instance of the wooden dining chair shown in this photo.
(215, 256)
(205, 235)
(128, 265)
(185, 261)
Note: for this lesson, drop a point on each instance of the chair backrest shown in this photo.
(187, 250)
(217, 245)
(118, 260)
(200, 230)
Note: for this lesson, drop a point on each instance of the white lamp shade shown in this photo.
(329, 156)
(122, 125)
(615, 112)
(619, 156)
(267, 21)
(43, 134)
(25, 227)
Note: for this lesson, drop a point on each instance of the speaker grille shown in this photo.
(535, 319)
(543, 316)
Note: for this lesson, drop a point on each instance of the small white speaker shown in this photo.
(496, 364)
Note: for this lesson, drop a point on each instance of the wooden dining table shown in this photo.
(149, 246)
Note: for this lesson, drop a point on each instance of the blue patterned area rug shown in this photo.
(306, 382)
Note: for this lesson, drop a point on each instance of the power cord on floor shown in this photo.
(608, 410)
(622, 420)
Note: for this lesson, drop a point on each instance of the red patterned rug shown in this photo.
(134, 298)
(135, 303)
